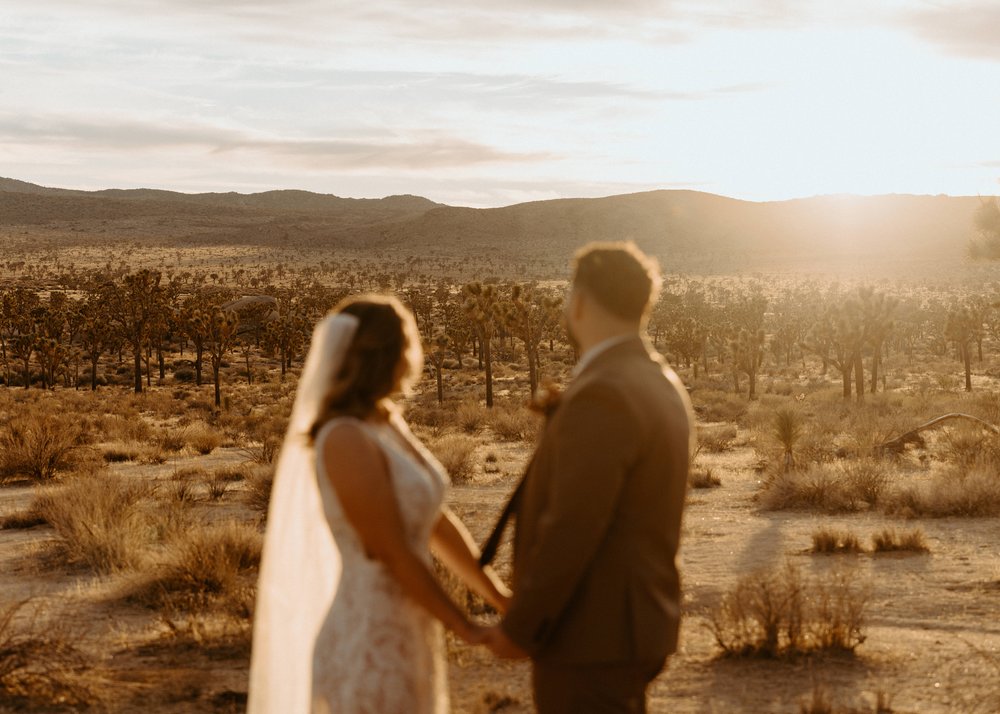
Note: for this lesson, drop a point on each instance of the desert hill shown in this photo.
(689, 226)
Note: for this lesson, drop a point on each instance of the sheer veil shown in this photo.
(300, 566)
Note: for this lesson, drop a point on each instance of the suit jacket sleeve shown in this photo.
(592, 447)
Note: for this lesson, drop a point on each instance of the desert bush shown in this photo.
(202, 438)
(716, 439)
(38, 445)
(827, 540)
(263, 452)
(127, 427)
(216, 486)
(866, 479)
(952, 492)
(471, 416)
(120, 453)
(829, 488)
(816, 488)
(513, 423)
(204, 568)
(99, 521)
(888, 541)
(258, 491)
(702, 477)
(455, 452)
(779, 613)
(171, 440)
(713, 405)
(185, 374)
(967, 445)
(42, 667)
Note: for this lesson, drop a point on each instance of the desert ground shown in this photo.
(828, 565)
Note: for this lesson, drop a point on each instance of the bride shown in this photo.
(349, 614)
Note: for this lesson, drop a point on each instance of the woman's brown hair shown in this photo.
(384, 357)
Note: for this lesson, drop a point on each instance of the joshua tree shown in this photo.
(528, 316)
(482, 307)
(747, 355)
(133, 305)
(439, 347)
(95, 334)
(221, 336)
(962, 328)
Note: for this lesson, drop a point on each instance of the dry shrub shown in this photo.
(217, 486)
(471, 416)
(702, 477)
(455, 452)
(127, 427)
(171, 440)
(99, 520)
(258, 493)
(264, 451)
(888, 541)
(513, 423)
(38, 445)
(776, 614)
(42, 667)
(714, 405)
(954, 492)
(829, 488)
(203, 568)
(121, 453)
(828, 540)
(816, 488)
(967, 445)
(202, 438)
(716, 439)
(866, 479)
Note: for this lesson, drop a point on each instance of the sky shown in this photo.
(491, 103)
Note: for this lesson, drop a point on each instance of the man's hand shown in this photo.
(501, 645)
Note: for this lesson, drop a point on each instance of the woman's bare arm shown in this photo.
(359, 474)
(454, 546)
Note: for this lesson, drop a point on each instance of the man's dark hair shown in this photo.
(620, 277)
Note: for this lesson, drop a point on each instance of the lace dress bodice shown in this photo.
(378, 652)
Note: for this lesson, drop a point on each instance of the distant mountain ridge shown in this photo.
(668, 223)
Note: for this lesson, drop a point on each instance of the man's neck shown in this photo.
(606, 336)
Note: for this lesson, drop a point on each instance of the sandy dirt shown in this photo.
(933, 640)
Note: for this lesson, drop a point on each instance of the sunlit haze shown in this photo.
(469, 104)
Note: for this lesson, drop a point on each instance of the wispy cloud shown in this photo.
(964, 29)
(417, 150)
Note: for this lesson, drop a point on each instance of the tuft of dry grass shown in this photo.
(42, 667)
(827, 540)
(716, 439)
(204, 568)
(702, 477)
(99, 521)
(202, 438)
(471, 416)
(953, 492)
(889, 541)
(258, 493)
(830, 488)
(781, 614)
(513, 423)
(38, 445)
(455, 452)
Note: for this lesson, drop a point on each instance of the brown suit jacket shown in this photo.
(598, 522)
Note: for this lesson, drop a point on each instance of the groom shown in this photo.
(596, 590)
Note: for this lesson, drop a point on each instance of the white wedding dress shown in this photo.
(378, 652)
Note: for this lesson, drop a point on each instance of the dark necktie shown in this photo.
(493, 542)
